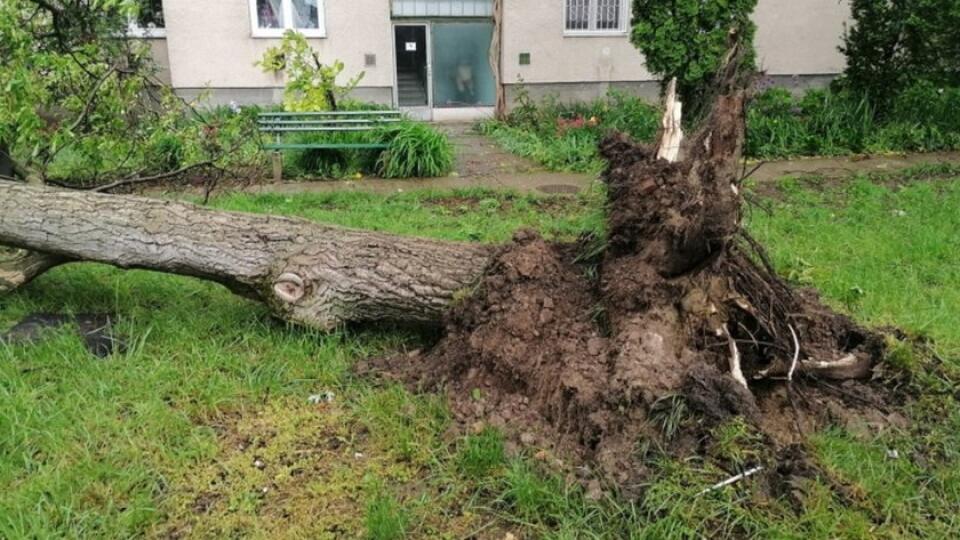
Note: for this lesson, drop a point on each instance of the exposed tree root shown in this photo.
(681, 307)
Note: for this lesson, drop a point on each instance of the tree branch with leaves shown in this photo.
(311, 84)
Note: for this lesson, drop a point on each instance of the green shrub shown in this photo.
(164, 153)
(838, 122)
(688, 39)
(311, 84)
(565, 136)
(893, 44)
(819, 123)
(416, 150)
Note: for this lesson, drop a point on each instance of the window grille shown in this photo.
(588, 16)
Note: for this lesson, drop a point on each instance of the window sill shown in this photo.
(277, 33)
(141, 33)
(594, 33)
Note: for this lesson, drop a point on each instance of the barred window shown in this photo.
(589, 16)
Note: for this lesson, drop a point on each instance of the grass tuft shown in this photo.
(481, 454)
(386, 519)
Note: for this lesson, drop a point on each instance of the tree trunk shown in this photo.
(18, 268)
(312, 274)
(496, 61)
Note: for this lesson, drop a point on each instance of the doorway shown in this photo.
(413, 66)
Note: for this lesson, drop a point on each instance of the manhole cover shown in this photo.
(554, 189)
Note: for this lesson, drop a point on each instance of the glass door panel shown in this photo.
(462, 76)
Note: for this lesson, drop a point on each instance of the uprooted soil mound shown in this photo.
(587, 349)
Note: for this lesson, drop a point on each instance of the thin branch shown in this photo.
(91, 98)
(145, 179)
(752, 171)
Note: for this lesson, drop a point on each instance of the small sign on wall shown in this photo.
(411, 46)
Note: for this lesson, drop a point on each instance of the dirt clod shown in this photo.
(596, 356)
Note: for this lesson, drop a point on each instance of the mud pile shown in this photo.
(584, 348)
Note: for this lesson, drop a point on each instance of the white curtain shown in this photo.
(270, 13)
(306, 14)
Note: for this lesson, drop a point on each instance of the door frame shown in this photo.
(422, 112)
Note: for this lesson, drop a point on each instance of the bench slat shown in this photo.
(326, 122)
(331, 114)
(321, 146)
(318, 129)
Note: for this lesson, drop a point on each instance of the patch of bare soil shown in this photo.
(590, 358)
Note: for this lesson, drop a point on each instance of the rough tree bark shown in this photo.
(311, 274)
(20, 267)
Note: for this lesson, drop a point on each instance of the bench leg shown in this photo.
(277, 166)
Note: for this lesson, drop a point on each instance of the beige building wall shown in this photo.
(158, 49)
(794, 37)
(210, 43)
(537, 27)
(801, 37)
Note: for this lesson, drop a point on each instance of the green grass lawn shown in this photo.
(203, 427)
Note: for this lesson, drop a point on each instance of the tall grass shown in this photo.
(564, 137)
(828, 123)
(415, 150)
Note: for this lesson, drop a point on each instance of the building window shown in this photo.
(596, 16)
(271, 18)
(148, 22)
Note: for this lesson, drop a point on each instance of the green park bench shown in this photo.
(279, 124)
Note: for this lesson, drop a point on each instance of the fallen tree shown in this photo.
(311, 274)
(584, 340)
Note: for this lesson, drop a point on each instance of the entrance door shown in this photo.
(462, 77)
(413, 69)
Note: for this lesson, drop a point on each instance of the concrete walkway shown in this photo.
(481, 162)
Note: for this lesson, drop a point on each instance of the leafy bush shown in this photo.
(165, 141)
(819, 123)
(893, 44)
(165, 152)
(565, 136)
(311, 84)
(415, 150)
(688, 39)
(837, 122)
